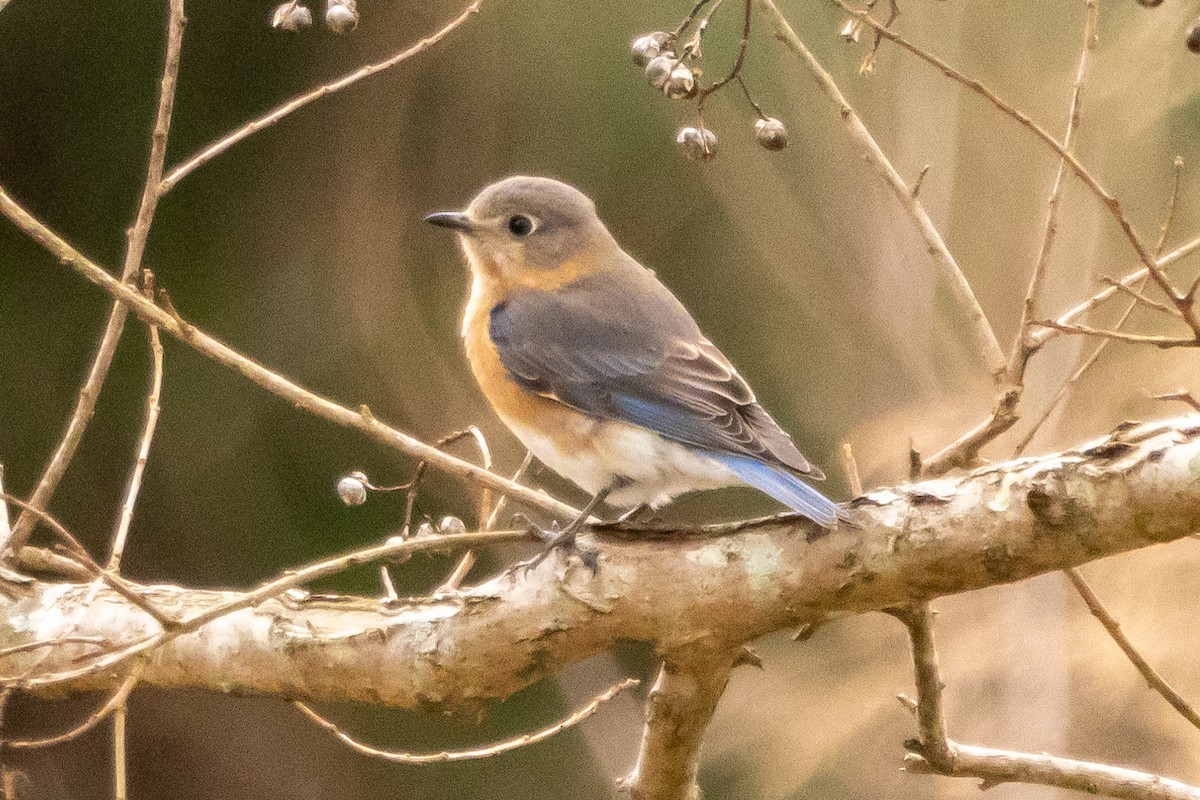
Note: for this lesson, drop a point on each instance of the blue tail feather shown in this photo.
(785, 487)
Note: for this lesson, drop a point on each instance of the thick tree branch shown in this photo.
(453, 651)
(684, 697)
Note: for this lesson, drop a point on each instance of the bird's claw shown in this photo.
(556, 538)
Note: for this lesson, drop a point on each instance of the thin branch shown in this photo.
(180, 171)
(1183, 396)
(935, 745)
(29, 647)
(1074, 313)
(1182, 301)
(85, 406)
(148, 427)
(401, 757)
(850, 467)
(456, 576)
(1138, 297)
(982, 334)
(1156, 681)
(1121, 285)
(1163, 342)
(362, 420)
(1019, 354)
(736, 72)
(934, 752)
(964, 451)
(80, 554)
(115, 700)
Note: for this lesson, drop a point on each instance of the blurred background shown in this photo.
(304, 247)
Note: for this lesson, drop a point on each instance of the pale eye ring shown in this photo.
(520, 225)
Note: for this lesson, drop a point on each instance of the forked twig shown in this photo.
(115, 701)
(85, 406)
(982, 335)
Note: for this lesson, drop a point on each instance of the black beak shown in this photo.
(455, 220)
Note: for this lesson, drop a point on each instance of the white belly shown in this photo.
(657, 469)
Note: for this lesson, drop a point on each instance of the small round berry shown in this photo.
(647, 47)
(352, 490)
(697, 144)
(291, 16)
(681, 83)
(451, 525)
(341, 16)
(771, 133)
(658, 70)
(1193, 37)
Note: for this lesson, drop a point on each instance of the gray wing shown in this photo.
(622, 347)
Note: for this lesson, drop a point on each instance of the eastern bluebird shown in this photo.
(599, 370)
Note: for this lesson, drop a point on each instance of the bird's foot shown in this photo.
(555, 539)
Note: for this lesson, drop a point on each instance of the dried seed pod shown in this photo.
(645, 48)
(291, 16)
(697, 144)
(658, 70)
(771, 133)
(341, 16)
(451, 525)
(352, 490)
(680, 83)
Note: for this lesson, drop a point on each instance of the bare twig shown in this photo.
(115, 700)
(1122, 285)
(362, 420)
(1050, 228)
(85, 406)
(1183, 301)
(180, 171)
(850, 467)
(29, 647)
(80, 554)
(1183, 396)
(1156, 681)
(1074, 313)
(736, 71)
(982, 335)
(934, 752)
(964, 451)
(1162, 342)
(1138, 297)
(401, 757)
(456, 576)
(148, 427)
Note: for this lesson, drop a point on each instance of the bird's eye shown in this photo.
(520, 225)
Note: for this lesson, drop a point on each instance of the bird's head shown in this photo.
(531, 231)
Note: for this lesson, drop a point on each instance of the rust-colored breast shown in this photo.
(519, 409)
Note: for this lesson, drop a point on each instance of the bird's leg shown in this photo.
(636, 513)
(555, 538)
